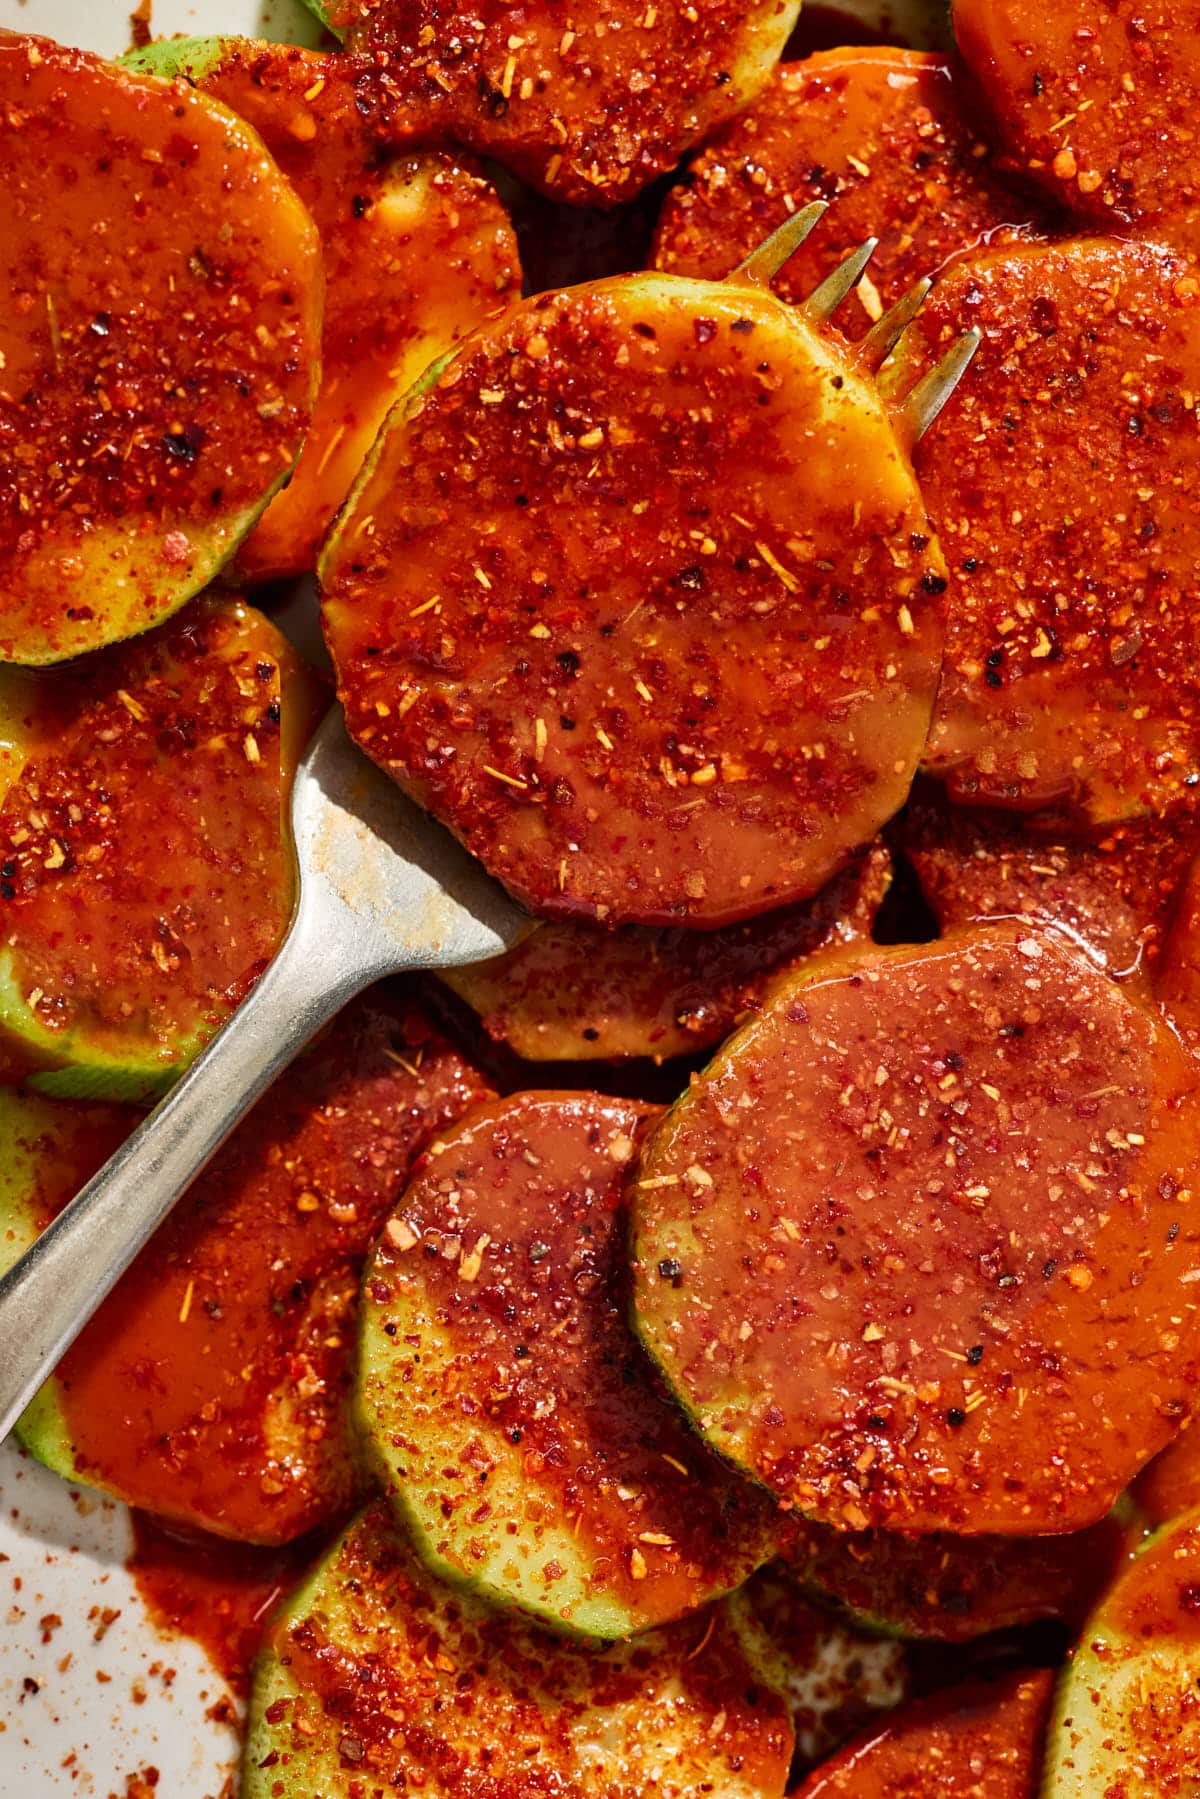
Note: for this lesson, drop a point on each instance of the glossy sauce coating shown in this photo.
(568, 993)
(378, 1675)
(914, 1250)
(161, 296)
(888, 137)
(1127, 1719)
(588, 106)
(1065, 483)
(417, 250)
(1112, 892)
(640, 599)
(1096, 102)
(972, 1742)
(517, 1422)
(49, 1149)
(1170, 1485)
(950, 1589)
(212, 1385)
(145, 880)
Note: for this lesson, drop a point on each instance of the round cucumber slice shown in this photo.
(519, 1430)
(590, 114)
(906, 1249)
(977, 1741)
(1126, 1721)
(599, 629)
(950, 1589)
(927, 187)
(1127, 161)
(212, 1386)
(1116, 895)
(375, 1677)
(1083, 700)
(417, 250)
(146, 875)
(160, 324)
(568, 993)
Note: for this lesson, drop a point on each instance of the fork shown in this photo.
(381, 889)
(916, 411)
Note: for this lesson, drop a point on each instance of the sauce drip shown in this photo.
(222, 1595)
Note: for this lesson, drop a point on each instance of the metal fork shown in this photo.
(916, 411)
(381, 889)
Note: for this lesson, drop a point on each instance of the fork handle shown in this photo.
(50, 1293)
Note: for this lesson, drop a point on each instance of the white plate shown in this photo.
(103, 25)
(84, 1710)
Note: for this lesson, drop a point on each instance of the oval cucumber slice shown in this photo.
(376, 1677)
(518, 1428)
(570, 993)
(160, 331)
(1126, 1721)
(147, 876)
(921, 1178)
(417, 248)
(444, 585)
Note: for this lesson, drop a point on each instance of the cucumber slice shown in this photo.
(418, 250)
(377, 1678)
(160, 330)
(519, 1431)
(803, 140)
(567, 993)
(542, 604)
(591, 129)
(1134, 163)
(212, 1386)
(886, 1248)
(1114, 895)
(977, 1741)
(1126, 1719)
(147, 877)
(48, 1151)
(1088, 713)
(950, 1589)
(834, 1678)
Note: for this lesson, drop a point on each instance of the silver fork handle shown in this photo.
(47, 1296)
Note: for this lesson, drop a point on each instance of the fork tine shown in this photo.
(886, 332)
(762, 265)
(825, 299)
(922, 404)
